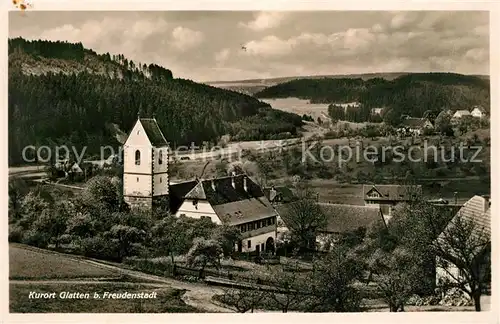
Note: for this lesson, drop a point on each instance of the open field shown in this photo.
(31, 263)
(299, 107)
(168, 300)
(34, 269)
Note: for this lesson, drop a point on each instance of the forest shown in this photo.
(75, 108)
(412, 94)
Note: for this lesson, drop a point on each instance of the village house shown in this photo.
(377, 111)
(460, 114)
(340, 220)
(478, 112)
(386, 197)
(344, 219)
(235, 200)
(476, 210)
(415, 126)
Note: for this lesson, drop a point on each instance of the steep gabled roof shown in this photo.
(476, 210)
(153, 132)
(177, 192)
(480, 108)
(393, 192)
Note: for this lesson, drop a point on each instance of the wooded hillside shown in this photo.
(61, 93)
(411, 94)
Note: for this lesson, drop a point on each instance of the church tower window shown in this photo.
(160, 157)
(137, 157)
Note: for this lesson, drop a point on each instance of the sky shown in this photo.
(236, 45)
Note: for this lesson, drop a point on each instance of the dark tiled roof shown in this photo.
(246, 210)
(392, 192)
(153, 132)
(177, 192)
(282, 194)
(414, 122)
(343, 218)
(224, 192)
(233, 204)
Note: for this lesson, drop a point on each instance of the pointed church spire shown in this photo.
(139, 112)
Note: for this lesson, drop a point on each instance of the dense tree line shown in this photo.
(75, 109)
(411, 94)
(100, 224)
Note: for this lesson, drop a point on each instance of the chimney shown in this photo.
(486, 203)
(232, 179)
(213, 185)
(245, 184)
(272, 194)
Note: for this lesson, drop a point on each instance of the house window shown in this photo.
(137, 157)
(269, 221)
(249, 244)
(160, 180)
(183, 215)
(137, 179)
(273, 220)
(242, 228)
(262, 246)
(257, 224)
(160, 157)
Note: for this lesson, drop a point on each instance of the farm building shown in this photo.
(478, 112)
(386, 197)
(340, 219)
(415, 126)
(344, 219)
(475, 213)
(460, 114)
(235, 200)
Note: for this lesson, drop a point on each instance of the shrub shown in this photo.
(35, 238)
(15, 233)
(159, 266)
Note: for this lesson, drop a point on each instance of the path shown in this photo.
(197, 295)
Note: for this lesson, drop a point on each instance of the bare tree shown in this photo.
(242, 299)
(463, 254)
(290, 287)
(304, 218)
(396, 275)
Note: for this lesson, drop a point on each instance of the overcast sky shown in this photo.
(205, 46)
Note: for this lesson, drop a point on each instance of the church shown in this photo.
(235, 200)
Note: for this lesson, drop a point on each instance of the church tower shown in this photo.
(145, 164)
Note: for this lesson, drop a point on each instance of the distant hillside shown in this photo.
(253, 86)
(61, 93)
(411, 94)
(274, 81)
